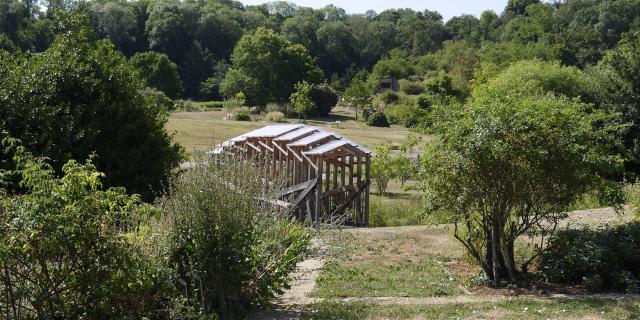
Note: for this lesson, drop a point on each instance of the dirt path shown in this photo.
(481, 298)
(287, 306)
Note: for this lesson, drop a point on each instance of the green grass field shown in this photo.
(200, 131)
(516, 309)
(419, 260)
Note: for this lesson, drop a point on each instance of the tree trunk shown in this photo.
(509, 261)
(494, 249)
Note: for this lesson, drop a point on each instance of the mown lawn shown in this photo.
(200, 131)
(516, 309)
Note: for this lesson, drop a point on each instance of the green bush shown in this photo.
(389, 97)
(285, 108)
(275, 117)
(67, 249)
(605, 258)
(324, 98)
(632, 197)
(424, 102)
(228, 250)
(411, 87)
(377, 119)
(213, 104)
(404, 115)
(82, 96)
(242, 116)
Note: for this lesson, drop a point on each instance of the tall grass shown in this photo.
(227, 248)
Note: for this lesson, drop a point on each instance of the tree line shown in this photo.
(200, 36)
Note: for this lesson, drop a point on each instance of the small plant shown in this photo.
(232, 104)
(286, 108)
(276, 116)
(378, 119)
(242, 116)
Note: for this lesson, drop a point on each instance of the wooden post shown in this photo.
(358, 197)
(351, 205)
(367, 179)
(327, 187)
(342, 168)
(318, 190)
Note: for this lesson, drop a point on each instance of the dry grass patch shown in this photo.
(418, 261)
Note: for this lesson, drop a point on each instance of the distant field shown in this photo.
(200, 131)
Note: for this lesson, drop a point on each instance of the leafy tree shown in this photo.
(357, 95)
(196, 67)
(397, 65)
(403, 168)
(508, 163)
(464, 27)
(324, 98)
(301, 100)
(266, 67)
(81, 97)
(382, 168)
(63, 251)
(336, 47)
(115, 21)
(616, 85)
(170, 28)
(210, 88)
(158, 72)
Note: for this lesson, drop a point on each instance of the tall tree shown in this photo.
(158, 72)
(266, 66)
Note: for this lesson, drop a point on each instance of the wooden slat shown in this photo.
(302, 195)
(295, 188)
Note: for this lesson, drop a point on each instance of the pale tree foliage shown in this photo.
(382, 168)
(301, 100)
(507, 165)
(356, 95)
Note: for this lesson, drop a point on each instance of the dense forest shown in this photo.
(199, 36)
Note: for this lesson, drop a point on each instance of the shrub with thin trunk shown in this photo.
(509, 164)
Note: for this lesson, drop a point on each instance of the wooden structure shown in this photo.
(325, 175)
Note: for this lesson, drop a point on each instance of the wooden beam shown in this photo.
(297, 187)
(351, 188)
(310, 186)
(347, 201)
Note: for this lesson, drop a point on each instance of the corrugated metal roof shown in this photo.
(293, 135)
(327, 147)
(289, 132)
(272, 131)
(314, 138)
